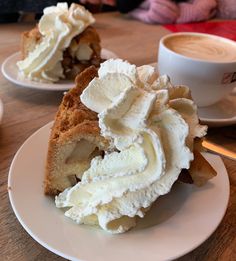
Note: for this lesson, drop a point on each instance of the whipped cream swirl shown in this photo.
(58, 26)
(151, 126)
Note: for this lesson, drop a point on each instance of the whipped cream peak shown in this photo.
(99, 94)
(147, 74)
(118, 66)
(58, 26)
(152, 125)
(59, 8)
(80, 14)
(126, 117)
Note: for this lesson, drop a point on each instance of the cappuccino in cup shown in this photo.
(202, 47)
(204, 62)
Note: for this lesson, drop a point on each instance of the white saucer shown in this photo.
(222, 113)
(176, 224)
(1, 110)
(10, 72)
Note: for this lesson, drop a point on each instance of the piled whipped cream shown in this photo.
(151, 126)
(58, 26)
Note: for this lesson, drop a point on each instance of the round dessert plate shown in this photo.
(176, 224)
(10, 72)
(1, 110)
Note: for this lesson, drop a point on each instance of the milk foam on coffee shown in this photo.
(202, 47)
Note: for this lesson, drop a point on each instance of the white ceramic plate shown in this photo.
(10, 72)
(1, 110)
(222, 113)
(176, 224)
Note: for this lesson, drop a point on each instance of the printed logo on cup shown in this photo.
(228, 78)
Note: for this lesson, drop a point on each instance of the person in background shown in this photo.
(148, 11)
(172, 11)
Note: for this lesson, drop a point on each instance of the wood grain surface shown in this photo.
(26, 110)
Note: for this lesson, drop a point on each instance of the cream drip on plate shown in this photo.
(151, 126)
(58, 26)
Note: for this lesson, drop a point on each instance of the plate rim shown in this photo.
(20, 220)
(60, 253)
(26, 83)
(219, 122)
(229, 121)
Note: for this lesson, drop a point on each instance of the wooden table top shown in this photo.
(26, 110)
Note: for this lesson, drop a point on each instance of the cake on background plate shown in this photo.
(62, 45)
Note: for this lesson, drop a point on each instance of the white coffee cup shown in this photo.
(205, 63)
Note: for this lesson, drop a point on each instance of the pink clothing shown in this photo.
(197, 10)
(168, 12)
(156, 11)
(226, 9)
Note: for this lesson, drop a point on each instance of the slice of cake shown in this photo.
(76, 136)
(62, 45)
(75, 139)
(152, 126)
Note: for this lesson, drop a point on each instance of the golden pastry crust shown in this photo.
(71, 111)
(73, 123)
